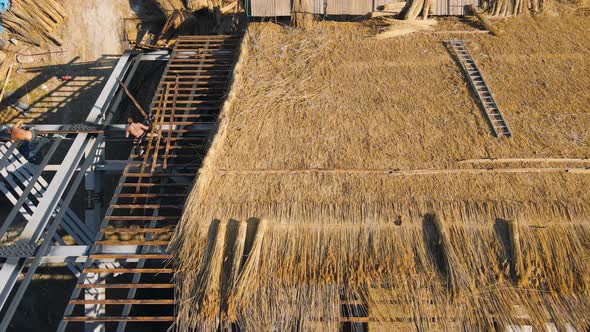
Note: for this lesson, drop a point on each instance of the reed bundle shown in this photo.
(304, 171)
(418, 8)
(515, 7)
(171, 5)
(200, 4)
(34, 21)
(500, 8)
(301, 14)
(484, 21)
(224, 6)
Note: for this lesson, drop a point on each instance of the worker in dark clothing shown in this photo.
(18, 133)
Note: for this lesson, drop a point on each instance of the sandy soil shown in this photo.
(92, 28)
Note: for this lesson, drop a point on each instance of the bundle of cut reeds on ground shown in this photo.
(418, 8)
(351, 171)
(34, 21)
(515, 7)
(171, 5)
(422, 8)
(200, 4)
(224, 6)
(301, 14)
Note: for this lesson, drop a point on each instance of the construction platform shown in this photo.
(122, 264)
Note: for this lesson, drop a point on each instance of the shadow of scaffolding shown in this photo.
(70, 99)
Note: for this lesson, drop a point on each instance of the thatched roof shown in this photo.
(348, 170)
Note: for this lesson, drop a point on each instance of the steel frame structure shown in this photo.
(186, 104)
(149, 198)
(44, 204)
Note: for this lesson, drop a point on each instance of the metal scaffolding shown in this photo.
(44, 204)
(148, 201)
(146, 204)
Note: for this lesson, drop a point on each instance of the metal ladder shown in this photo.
(480, 88)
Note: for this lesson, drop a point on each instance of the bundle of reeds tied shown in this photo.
(171, 5)
(222, 5)
(34, 21)
(301, 14)
(418, 8)
(515, 7)
(422, 8)
(199, 4)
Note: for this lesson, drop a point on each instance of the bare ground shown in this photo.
(91, 42)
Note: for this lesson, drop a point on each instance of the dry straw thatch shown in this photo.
(343, 173)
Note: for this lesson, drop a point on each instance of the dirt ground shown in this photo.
(92, 40)
(93, 27)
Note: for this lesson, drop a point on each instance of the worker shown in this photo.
(136, 129)
(17, 133)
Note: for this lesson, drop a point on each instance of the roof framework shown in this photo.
(44, 204)
(151, 192)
